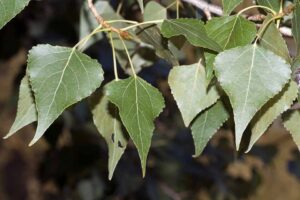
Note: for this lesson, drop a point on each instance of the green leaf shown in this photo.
(231, 31)
(139, 104)
(250, 76)
(228, 32)
(151, 35)
(9, 9)
(270, 111)
(207, 124)
(192, 29)
(141, 3)
(189, 87)
(111, 129)
(296, 25)
(154, 11)
(59, 77)
(272, 40)
(291, 123)
(273, 4)
(230, 5)
(26, 112)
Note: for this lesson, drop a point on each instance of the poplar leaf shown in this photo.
(291, 123)
(26, 112)
(192, 29)
(228, 32)
(139, 104)
(207, 124)
(230, 5)
(9, 9)
(269, 112)
(272, 40)
(111, 129)
(59, 77)
(250, 76)
(154, 11)
(189, 87)
(273, 4)
(296, 25)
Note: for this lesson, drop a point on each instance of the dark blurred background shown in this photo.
(70, 161)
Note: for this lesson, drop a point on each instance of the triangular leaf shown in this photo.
(291, 123)
(192, 29)
(250, 76)
(269, 112)
(111, 129)
(60, 77)
(190, 89)
(228, 32)
(26, 112)
(296, 25)
(230, 5)
(272, 40)
(139, 104)
(9, 9)
(207, 124)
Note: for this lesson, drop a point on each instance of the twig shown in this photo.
(101, 21)
(203, 5)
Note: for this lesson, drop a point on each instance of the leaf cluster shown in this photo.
(244, 74)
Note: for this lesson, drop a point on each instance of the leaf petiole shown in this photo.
(129, 58)
(114, 56)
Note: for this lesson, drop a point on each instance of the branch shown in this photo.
(203, 5)
(103, 23)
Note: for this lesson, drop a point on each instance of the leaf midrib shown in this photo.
(60, 81)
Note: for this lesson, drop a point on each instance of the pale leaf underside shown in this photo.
(189, 87)
(111, 129)
(26, 112)
(250, 76)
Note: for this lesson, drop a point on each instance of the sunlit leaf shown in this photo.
(60, 77)
(139, 104)
(189, 87)
(250, 76)
(207, 124)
